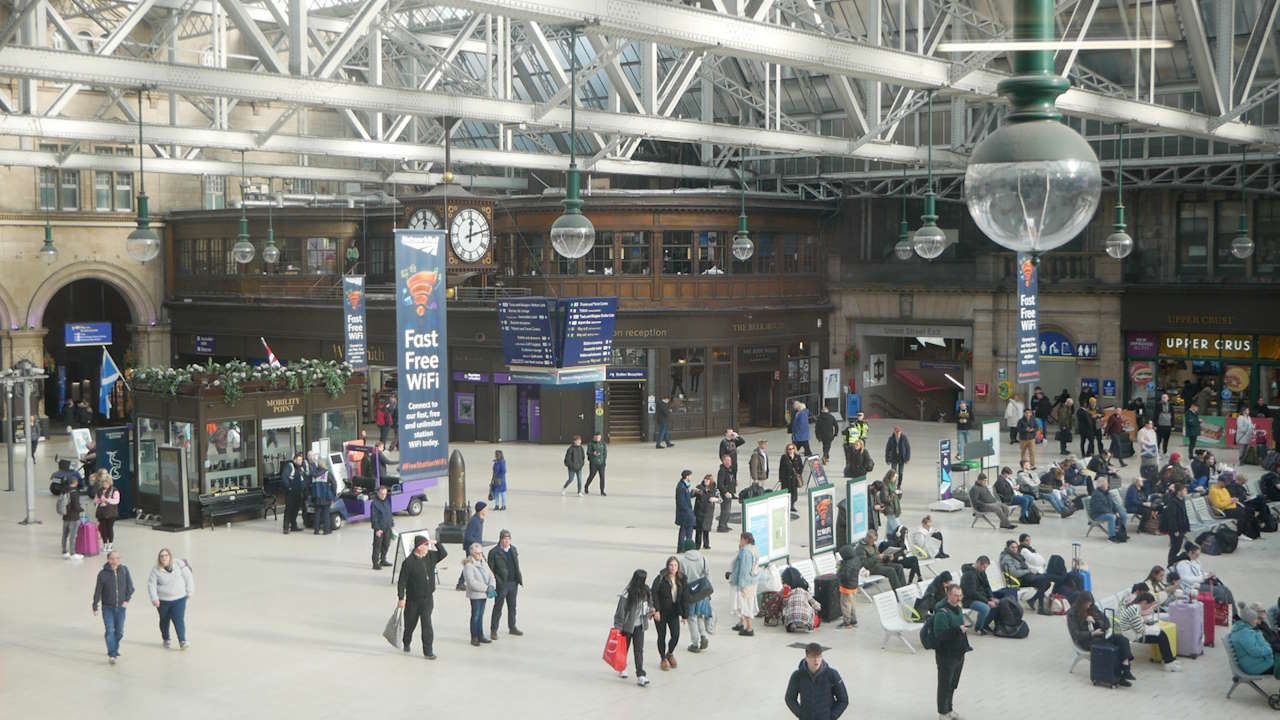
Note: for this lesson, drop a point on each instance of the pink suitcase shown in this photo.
(1189, 619)
(87, 539)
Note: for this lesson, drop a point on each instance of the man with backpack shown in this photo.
(947, 635)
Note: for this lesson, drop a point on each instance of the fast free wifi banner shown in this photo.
(422, 357)
(353, 325)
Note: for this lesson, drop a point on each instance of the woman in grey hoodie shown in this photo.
(169, 585)
(700, 621)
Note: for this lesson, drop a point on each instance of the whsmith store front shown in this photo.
(1203, 338)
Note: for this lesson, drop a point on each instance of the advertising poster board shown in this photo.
(80, 439)
(422, 358)
(822, 519)
(404, 548)
(859, 509)
(830, 385)
(767, 517)
(116, 457)
(944, 469)
(991, 432)
(1028, 320)
(1213, 432)
(1259, 423)
(353, 325)
(817, 473)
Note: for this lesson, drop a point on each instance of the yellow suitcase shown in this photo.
(1172, 631)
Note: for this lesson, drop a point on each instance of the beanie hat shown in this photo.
(480, 505)
(1175, 457)
(419, 541)
(1246, 613)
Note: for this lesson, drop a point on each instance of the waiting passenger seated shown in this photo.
(1192, 578)
(1204, 467)
(1014, 565)
(1138, 620)
(1052, 487)
(1100, 466)
(1009, 495)
(1245, 516)
(1137, 501)
(1254, 653)
(978, 595)
(1102, 508)
(1173, 473)
(1088, 626)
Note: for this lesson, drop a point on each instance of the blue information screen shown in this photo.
(588, 331)
(82, 334)
(527, 337)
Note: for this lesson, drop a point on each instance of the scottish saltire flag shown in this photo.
(106, 381)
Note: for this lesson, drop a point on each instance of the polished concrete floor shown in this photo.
(289, 627)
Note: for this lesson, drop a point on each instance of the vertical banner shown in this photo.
(353, 326)
(115, 456)
(859, 510)
(422, 357)
(944, 469)
(1028, 321)
(822, 519)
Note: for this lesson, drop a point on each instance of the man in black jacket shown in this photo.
(816, 691)
(295, 482)
(729, 446)
(897, 453)
(827, 429)
(1173, 520)
(504, 561)
(950, 634)
(727, 484)
(112, 592)
(381, 520)
(416, 590)
(978, 595)
(574, 458)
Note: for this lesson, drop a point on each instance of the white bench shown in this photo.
(996, 578)
(891, 620)
(867, 580)
(825, 564)
(1206, 518)
(807, 570)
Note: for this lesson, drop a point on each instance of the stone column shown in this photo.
(17, 345)
(152, 346)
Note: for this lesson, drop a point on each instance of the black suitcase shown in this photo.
(1104, 664)
(826, 590)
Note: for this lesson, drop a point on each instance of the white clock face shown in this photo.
(469, 235)
(424, 219)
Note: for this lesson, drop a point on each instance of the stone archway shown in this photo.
(10, 317)
(141, 305)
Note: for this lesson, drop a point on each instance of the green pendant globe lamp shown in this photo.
(902, 249)
(1034, 184)
(142, 244)
(929, 241)
(243, 250)
(1118, 244)
(572, 234)
(1242, 246)
(270, 253)
(48, 253)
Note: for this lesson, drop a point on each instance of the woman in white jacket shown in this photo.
(926, 538)
(169, 585)
(1192, 578)
(480, 586)
(1012, 414)
(1149, 444)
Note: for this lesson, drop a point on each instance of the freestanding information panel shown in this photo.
(174, 510)
(822, 519)
(767, 517)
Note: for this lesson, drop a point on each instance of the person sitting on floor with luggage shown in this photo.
(1015, 566)
(985, 502)
(1102, 509)
(799, 609)
(1139, 621)
(1088, 626)
(978, 595)
(1192, 578)
(1253, 652)
(867, 556)
(1221, 500)
(1009, 495)
(1136, 502)
(1053, 488)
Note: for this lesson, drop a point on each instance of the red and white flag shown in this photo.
(271, 357)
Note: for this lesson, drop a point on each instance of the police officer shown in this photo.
(295, 482)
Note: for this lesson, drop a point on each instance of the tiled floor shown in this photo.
(290, 626)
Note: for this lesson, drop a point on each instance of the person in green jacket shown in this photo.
(597, 453)
(951, 636)
(1252, 649)
(1192, 427)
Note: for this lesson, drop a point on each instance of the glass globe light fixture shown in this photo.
(572, 234)
(929, 241)
(903, 249)
(243, 250)
(270, 253)
(48, 253)
(142, 244)
(1034, 184)
(1118, 244)
(1242, 246)
(742, 247)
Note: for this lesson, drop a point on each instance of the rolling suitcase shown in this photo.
(1188, 617)
(87, 539)
(1104, 664)
(1209, 610)
(1171, 630)
(826, 590)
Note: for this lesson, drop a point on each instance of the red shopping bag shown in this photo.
(615, 650)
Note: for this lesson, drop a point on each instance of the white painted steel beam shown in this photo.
(252, 36)
(1198, 48)
(108, 47)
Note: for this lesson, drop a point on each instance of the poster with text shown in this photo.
(944, 469)
(422, 354)
(859, 513)
(1259, 423)
(353, 326)
(831, 384)
(756, 521)
(822, 519)
(1028, 320)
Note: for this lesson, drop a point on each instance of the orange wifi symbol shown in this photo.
(420, 285)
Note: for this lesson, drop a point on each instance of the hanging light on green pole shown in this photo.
(1034, 184)
(1242, 246)
(929, 240)
(742, 247)
(48, 253)
(270, 253)
(243, 250)
(1118, 244)
(142, 244)
(572, 234)
(902, 249)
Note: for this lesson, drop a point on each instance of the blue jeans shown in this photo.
(574, 474)
(500, 498)
(1109, 520)
(1055, 501)
(477, 618)
(1024, 502)
(662, 435)
(113, 622)
(890, 525)
(175, 611)
(984, 614)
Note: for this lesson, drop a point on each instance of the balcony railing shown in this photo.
(254, 290)
(1060, 269)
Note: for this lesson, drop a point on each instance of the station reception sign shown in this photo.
(422, 357)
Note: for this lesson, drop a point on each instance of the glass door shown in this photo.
(281, 438)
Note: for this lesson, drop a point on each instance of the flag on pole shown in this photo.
(271, 357)
(106, 382)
